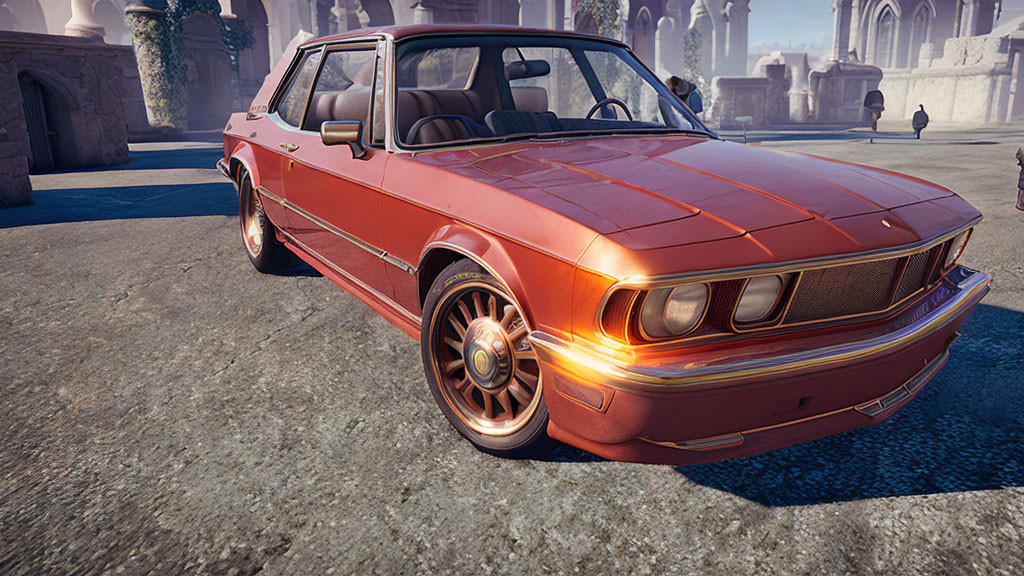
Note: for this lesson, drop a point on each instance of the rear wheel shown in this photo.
(265, 252)
(481, 368)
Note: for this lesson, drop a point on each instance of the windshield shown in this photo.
(504, 87)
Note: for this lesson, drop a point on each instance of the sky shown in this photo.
(804, 21)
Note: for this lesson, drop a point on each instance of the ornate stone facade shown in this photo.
(955, 57)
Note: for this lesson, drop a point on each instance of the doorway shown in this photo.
(40, 137)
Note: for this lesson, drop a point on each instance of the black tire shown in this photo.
(526, 430)
(265, 251)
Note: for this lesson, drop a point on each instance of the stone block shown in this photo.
(15, 187)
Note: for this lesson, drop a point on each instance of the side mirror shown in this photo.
(334, 132)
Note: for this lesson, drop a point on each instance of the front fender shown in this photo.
(485, 250)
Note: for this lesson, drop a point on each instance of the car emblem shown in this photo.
(480, 361)
(886, 223)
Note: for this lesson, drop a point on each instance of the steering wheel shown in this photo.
(608, 101)
(468, 122)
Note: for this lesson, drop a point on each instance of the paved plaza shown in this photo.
(165, 408)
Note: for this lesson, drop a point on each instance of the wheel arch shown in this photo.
(455, 242)
(242, 158)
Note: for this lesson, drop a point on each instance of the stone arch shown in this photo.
(22, 16)
(111, 16)
(883, 35)
(254, 62)
(48, 107)
(209, 72)
(921, 23)
(642, 35)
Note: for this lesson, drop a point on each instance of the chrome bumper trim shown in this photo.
(886, 403)
(224, 169)
(590, 366)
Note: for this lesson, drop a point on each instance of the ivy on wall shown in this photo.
(158, 36)
(605, 14)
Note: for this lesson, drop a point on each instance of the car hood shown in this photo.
(661, 191)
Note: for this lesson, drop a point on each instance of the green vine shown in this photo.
(605, 14)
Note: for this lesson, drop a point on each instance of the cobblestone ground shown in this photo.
(164, 408)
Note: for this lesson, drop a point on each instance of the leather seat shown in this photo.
(505, 122)
(414, 105)
(530, 98)
(352, 104)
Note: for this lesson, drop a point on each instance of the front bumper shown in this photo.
(696, 406)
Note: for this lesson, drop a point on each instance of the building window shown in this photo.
(885, 39)
(920, 32)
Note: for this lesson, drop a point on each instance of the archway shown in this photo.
(920, 31)
(643, 36)
(112, 18)
(22, 16)
(48, 120)
(885, 39)
(254, 62)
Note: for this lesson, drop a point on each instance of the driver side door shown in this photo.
(334, 199)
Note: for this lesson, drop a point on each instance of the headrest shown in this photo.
(530, 98)
(527, 69)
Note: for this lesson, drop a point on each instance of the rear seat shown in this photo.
(414, 105)
(352, 104)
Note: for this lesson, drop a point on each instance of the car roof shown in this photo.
(409, 31)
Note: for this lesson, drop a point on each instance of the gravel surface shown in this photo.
(166, 409)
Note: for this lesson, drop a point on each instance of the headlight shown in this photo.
(673, 311)
(956, 248)
(758, 299)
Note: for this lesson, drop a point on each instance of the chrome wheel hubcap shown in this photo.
(488, 372)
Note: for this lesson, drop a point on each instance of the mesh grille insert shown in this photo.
(843, 291)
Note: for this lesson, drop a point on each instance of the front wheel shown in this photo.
(265, 252)
(479, 364)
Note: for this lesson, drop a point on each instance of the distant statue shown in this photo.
(874, 102)
(1020, 181)
(920, 121)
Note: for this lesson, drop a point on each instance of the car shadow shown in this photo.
(124, 202)
(965, 432)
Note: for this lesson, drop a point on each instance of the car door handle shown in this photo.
(289, 147)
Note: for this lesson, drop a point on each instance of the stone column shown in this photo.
(83, 21)
(164, 93)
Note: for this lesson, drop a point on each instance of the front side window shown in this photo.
(498, 87)
(292, 103)
(343, 88)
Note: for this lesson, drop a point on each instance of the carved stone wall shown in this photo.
(77, 114)
(737, 97)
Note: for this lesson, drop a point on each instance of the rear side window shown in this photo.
(448, 68)
(343, 88)
(293, 100)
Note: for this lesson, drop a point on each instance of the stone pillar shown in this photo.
(165, 95)
(736, 15)
(83, 21)
(15, 187)
(777, 97)
(667, 47)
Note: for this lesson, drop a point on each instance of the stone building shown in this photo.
(954, 57)
(64, 103)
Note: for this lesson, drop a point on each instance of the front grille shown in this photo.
(842, 291)
(860, 289)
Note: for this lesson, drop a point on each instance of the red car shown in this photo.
(581, 257)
